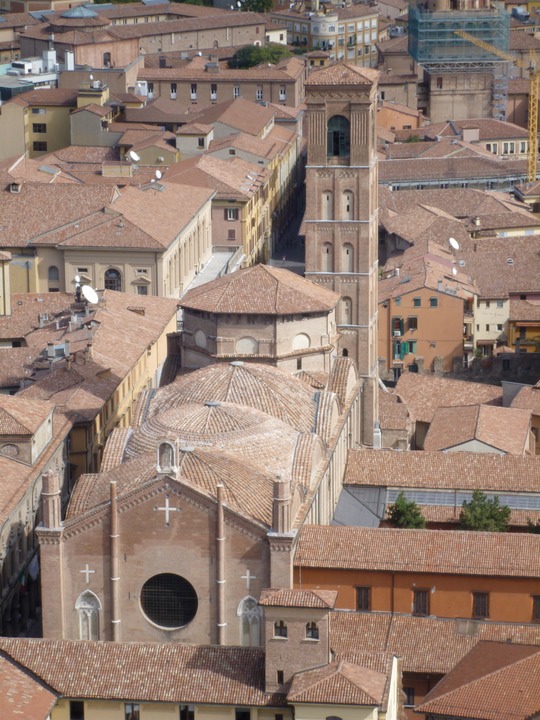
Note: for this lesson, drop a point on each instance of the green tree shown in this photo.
(405, 513)
(252, 55)
(481, 513)
(533, 527)
(259, 6)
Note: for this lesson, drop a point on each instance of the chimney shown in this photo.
(90, 350)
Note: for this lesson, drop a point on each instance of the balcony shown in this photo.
(193, 96)
(173, 96)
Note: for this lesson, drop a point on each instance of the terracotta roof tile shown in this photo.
(431, 551)
(343, 74)
(298, 598)
(22, 694)
(490, 676)
(426, 644)
(279, 292)
(423, 394)
(504, 429)
(157, 672)
(437, 470)
(341, 682)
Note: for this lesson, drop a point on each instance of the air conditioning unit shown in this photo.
(397, 333)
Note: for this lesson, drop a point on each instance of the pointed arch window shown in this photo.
(250, 616)
(88, 607)
(338, 136)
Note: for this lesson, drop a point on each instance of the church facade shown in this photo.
(198, 504)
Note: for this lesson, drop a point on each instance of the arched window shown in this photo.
(347, 257)
(88, 607)
(327, 205)
(327, 264)
(250, 616)
(280, 629)
(346, 311)
(247, 346)
(312, 631)
(113, 279)
(339, 136)
(54, 278)
(345, 352)
(106, 59)
(347, 210)
(166, 459)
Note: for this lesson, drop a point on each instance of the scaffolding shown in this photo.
(434, 45)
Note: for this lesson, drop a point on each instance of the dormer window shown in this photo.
(280, 629)
(312, 631)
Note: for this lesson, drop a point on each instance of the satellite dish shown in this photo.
(153, 180)
(158, 174)
(91, 77)
(77, 279)
(453, 243)
(133, 155)
(90, 295)
(454, 271)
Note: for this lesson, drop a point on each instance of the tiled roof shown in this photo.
(18, 478)
(299, 598)
(502, 265)
(426, 644)
(458, 552)
(284, 71)
(22, 417)
(524, 310)
(50, 97)
(116, 349)
(279, 292)
(489, 129)
(504, 429)
(393, 414)
(439, 169)
(424, 394)
(263, 387)
(248, 433)
(464, 470)
(18, 20)
(341, 683)
(238, 113)
(342, 74)
(528, 398)
(153, 672)
(450, 515)
(492, 676)
(21, 694)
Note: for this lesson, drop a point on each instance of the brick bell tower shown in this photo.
(341, 213)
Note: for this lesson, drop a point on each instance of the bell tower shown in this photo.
(341, 213)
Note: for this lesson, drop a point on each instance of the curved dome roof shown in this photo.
(241, 430)
(246, 488)
(263, 387)
(79, 12)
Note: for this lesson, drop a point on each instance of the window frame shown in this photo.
(363, 598)
(132, 711)
(480, 601)
(281, 630)
(420, 603)
(312, 631)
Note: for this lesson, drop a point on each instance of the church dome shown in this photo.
(246, 488)
(263, 387)
(243, 431)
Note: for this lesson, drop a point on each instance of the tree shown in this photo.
(259, 6)
(252, 55)
(405, 513)
(533, 527)
(481, 513)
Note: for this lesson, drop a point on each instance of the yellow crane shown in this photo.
(533, 94)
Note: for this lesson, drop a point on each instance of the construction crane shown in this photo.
(532, 67)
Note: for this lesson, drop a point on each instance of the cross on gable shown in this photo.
(248, 577)
(168, 509)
